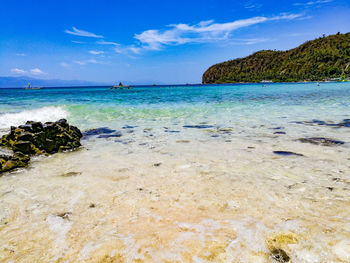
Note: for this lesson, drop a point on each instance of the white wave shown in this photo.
(44, 114)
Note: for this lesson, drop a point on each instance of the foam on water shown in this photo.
(41, 114)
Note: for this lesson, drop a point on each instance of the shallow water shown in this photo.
(163, 192)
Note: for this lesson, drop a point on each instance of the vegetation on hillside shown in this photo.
(320, 59)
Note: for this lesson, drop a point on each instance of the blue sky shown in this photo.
(152, 41)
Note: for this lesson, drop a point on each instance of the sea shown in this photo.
(202, 173)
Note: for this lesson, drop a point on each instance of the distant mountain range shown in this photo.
(316, 60)
(21, 82)
(17, 82)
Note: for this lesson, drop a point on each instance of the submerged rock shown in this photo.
(279, 132)
(321, 141)
(344, 123)
(200, 126)
(112, 135)
(37, 138)
(70, 174)
(279, 244)
(97, 131)
(286, 153)
(128, 127)
(172, 131)
(280, 255)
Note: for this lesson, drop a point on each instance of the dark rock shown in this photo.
(26, 127)
(280, 255)
(65, 215)
(70, 174)
(171, 131)
(37, 138)
(182, 141)
(277, 128)
(318, 122)
(117, 134)
(98, 131)
(24, 147)
(128, 127)
(157, 164)
(63, 123)
(279, 132)
(321, 141)
(36, 126)
(332, 125)
(286, 153)
(344, 123)
(8, 162)
(200, 126)
(121, 141)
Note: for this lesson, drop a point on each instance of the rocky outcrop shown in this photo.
(10, 162)
(37, 138)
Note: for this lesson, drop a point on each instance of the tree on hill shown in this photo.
(315, 60)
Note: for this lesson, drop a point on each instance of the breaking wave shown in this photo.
(42, 114)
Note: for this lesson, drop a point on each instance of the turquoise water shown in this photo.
(222, 104)
(164, 192)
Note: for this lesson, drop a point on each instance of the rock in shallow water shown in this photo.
(37, 138)
(286, 153)
(200, 126)
(97, 131)
(112, 135)
(8, 162)
(321, 141)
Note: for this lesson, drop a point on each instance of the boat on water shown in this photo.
(30, 87)
(120, 86)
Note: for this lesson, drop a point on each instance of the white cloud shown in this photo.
(126, 50)
(315, 2)
(18, 71)
(89, 61)
(80, 62)
(64, 64)
(94, 61)
(78, 42)
(205, 31)
(102, 42)
(252, 41)
(20, 54)
(93, 52)
(82, 33)
(252, 5)
(36, 71)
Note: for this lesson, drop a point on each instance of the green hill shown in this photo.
(316, 60)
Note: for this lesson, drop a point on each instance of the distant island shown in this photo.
(322, 59)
